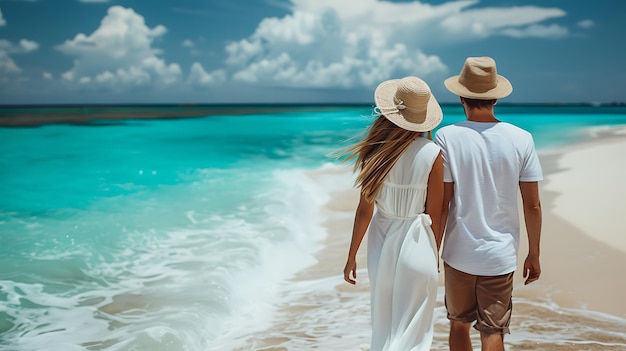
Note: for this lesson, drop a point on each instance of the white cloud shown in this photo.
(47, 75)
(7, 65)
(358, 43)
(6, 45)
(69, 75)
(198, 76)
(319, 44)
(326, 43)
(3, 22)
(244, 50)
(28, 45)
(24, 46)
(586, 23)
(537, 31)
(512, 21)
(119, 53)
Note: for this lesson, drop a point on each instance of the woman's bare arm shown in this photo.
(434, 198)
(362, 219)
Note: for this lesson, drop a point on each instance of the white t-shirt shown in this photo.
(486, 162)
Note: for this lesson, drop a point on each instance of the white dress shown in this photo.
(402, 255)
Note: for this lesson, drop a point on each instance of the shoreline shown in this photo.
(575, 260)
(581, 243)
(575, 289)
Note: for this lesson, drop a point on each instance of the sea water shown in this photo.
(181, 234)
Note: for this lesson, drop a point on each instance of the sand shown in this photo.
(583, 242)
(582, 258)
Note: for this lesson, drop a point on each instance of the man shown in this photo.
(485, 163)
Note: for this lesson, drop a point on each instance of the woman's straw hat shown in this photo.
(408, 103)
(479, 80)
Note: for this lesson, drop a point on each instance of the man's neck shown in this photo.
(484, 115)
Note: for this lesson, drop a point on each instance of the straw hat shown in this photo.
(479, 80)
(408, 103)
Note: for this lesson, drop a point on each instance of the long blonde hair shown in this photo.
(377, 153)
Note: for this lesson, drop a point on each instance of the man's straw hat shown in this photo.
(408, 103)
(479, 80)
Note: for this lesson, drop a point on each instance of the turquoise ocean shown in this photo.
(180, 234)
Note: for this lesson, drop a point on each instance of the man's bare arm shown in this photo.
(532, 219)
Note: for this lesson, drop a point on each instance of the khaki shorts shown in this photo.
(484, 299)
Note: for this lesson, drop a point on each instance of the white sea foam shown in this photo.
(198, 279)
(325, 313)
(191, 279)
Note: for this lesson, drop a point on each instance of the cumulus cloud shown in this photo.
(200, 77)
(351, 43)
(326, 43)
(512, 21)
(119, 53)
(28, 45)
(318, 44)
(24, 46)
(586, 23)
(7, 65)
(537, 31)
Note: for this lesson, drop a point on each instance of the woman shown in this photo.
(400, 172)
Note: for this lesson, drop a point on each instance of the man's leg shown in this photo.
(460, 336)
(492, 342)
(460, 300)
(494, 295)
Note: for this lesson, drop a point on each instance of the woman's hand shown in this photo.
(362, 218)
(349, 272)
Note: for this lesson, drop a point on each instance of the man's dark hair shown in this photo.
(476, 103)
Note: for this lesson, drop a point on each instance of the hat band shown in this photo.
(399, 106)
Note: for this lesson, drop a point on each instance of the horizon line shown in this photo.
(275, 104)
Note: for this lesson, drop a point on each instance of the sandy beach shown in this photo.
(577, 304)
(583, 247)
(206, 232)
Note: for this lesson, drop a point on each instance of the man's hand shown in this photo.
(532, 269)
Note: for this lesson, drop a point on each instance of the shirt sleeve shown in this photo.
(531, 168)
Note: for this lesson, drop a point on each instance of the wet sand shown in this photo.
(583, 246)
(577, 304)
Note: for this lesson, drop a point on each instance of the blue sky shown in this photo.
(300, 51)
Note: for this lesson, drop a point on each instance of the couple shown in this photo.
(464, 184)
